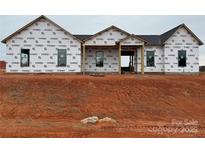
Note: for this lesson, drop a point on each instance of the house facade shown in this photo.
(42, 46)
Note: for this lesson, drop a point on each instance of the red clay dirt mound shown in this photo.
(53, 105)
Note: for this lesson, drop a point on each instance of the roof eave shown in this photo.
(3, 41)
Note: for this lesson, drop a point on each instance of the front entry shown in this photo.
(127, 62)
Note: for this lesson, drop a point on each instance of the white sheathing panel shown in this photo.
(132, 41)
(159, 59)
(109, 37)
(43, 39)
(110, 60)
(181, 40)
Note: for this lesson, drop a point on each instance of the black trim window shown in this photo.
(25, 57)
(150, 58)
(62, 58)
(99, 58)
(182, 58)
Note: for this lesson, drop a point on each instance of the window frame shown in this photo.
(147, 58)
(101, 65)
(28, 59)
(180, 58)
(58, 58)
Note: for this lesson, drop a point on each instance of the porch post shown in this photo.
(119, 57)
(142, 59)
(83, 66)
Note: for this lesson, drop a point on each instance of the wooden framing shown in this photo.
(119, 50)
(142, 59)
(83, 64)
(102, 46)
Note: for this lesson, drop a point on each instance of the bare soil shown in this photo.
(48, 105)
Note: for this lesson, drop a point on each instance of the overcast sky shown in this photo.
(92, 24)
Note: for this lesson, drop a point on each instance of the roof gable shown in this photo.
(111, 29)
(165, 36)
(132, 40)
(33, 22)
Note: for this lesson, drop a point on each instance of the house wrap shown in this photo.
(42, 46)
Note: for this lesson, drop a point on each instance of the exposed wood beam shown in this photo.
(83, 65)
(142, 59)
(119, 57)
(132, 63)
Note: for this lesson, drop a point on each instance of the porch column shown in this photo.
(142, 59)
(83, 65)
(119, 57)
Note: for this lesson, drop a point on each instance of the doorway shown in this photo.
(127, 62)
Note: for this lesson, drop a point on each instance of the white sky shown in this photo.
(135, 24)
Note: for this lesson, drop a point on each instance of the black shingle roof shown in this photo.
(82, 37)
(152, 39)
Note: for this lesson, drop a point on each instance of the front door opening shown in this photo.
(127, 62)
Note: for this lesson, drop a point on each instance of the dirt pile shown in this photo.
(129, 99)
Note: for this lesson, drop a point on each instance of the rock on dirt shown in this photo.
(95, 119)
(90, 120)
(107, 119)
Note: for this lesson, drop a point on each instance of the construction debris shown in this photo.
(90, 120)
(107, 119)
